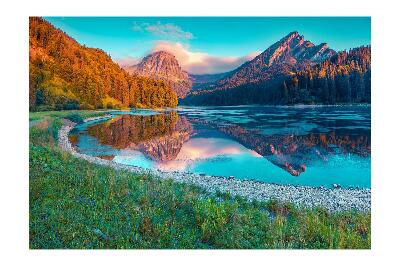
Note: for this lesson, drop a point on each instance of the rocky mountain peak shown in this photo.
(162, 53)
(292, 39)
(164, 66)
(293, 48)
(287, 55)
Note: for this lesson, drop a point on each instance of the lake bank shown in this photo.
(334, 200)
(74, 203)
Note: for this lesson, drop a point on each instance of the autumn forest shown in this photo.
(66, 75)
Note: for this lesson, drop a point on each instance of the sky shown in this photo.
(206, 45)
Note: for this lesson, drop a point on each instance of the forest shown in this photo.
(344, 78)
(66, 75)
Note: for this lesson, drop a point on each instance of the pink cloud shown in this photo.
(127, 61)
(204, 148)
(200, 62)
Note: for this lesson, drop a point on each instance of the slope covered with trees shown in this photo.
(66, 75)
(343, 78)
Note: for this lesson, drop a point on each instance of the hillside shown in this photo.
(66, 75)
(163, 66)
(282, 58)
(293, 71)
(344, 78)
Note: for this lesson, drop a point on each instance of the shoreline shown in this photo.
(337, 199)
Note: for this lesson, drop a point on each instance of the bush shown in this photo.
(75, 117)
(109, 105)
(71, 105)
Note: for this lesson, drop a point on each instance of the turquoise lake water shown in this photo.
(300, 145)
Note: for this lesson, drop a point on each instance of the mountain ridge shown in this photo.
(288, 54)
(344, 77)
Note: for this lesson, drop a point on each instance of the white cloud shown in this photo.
(167, 30)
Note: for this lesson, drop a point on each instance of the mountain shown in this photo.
(293, 71)
(203, 80)
(282, 58)
(163, 66)
(64, 74)
(343, 78)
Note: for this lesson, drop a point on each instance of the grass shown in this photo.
(64, 114)
(76, 204)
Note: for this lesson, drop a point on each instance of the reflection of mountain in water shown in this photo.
(160, 137)
(292, 152)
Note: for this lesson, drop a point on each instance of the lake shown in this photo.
(297, 145)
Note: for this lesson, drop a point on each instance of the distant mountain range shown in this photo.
(205, 80)
(266, 78)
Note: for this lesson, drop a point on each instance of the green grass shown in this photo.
(76, 204)
(63, 114)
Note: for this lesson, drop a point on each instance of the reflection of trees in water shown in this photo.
(159, 137)
(293, 153)
(347, 143)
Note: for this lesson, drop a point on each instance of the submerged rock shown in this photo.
(336, 186)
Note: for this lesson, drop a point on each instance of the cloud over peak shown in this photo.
(200, 62)
(194, 62)
(127, 61)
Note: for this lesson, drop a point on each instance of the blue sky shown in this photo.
(208, 44)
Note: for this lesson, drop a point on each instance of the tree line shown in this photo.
(344, 78)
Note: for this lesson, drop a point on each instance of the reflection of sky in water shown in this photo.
(223, 157)
(214, 153)
(193, 152)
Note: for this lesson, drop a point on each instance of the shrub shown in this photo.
(109, 105)
(75, 117)
(71, 105)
